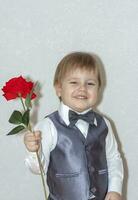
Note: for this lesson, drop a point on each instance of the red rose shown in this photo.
(16, 87)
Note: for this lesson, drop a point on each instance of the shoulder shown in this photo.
(103, 117)
(107, 121)
(44, 124)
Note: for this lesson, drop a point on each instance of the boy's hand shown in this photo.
(113, 196)
(32, 141)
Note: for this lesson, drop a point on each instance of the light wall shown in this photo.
(34, 36)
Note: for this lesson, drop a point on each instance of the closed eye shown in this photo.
(91, 83)
(73, 82)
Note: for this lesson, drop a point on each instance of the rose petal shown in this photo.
(10, 96)
(16, 86)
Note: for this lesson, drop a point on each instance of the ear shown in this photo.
(58, 88)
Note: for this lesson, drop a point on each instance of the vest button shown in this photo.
(91, 195)
(87, 150)
(92, 168)
(93, 190)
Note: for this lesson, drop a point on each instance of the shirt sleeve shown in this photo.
(114, 162)
(48, 143)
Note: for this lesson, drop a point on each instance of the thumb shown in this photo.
(38, 136)
(107, 197)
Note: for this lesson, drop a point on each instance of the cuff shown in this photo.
(115, 185)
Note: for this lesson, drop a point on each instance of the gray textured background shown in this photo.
(34, 36)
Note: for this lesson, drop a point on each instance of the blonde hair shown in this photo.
(73, 61)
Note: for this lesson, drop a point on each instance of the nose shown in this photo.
(82, 87)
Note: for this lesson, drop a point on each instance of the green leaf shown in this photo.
(16, 130)
(28, 101)
(16, 117)
(25, 118)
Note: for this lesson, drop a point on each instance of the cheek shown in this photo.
(64, 92)
(61, 91)
(94, 94)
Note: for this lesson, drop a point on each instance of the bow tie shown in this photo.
(74, 117)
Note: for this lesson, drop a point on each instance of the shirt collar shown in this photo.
(63, 112)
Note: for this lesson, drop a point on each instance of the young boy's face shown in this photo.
(79, 89)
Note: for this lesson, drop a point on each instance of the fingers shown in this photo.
(32, 141)
(113, 196)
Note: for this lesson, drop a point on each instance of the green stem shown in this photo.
(22, 103)
(42, 175)
(38, 158)
(40, 167)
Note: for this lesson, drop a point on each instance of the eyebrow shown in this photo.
(92, 79)
(73, 78)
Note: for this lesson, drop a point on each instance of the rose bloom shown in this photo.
(18, 87)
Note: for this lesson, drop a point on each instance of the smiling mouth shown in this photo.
(81, 97)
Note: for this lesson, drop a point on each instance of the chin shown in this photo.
(81, 108)
(78, 109)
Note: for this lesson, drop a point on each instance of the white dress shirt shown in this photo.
(49, 141)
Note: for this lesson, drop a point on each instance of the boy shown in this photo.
(78, 150)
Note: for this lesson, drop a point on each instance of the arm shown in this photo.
(115, 166)
(47, 144)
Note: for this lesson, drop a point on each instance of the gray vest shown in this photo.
(78, 167)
